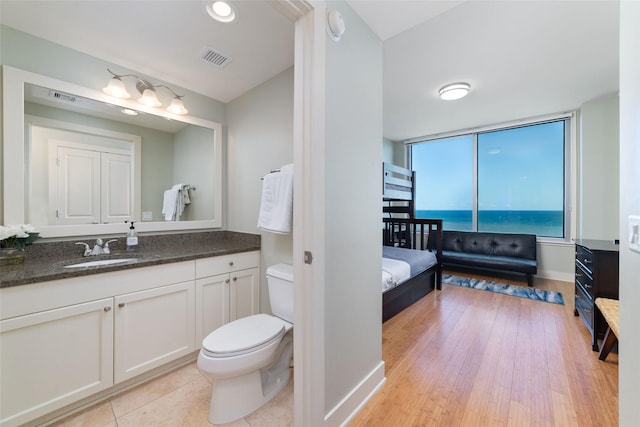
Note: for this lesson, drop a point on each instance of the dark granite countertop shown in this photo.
(46, 261)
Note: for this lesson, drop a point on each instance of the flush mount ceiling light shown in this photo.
(221, 11)
(149, 96)
(454, 91)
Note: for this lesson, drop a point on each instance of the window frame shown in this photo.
(569, 132)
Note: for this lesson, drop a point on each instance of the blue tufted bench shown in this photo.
(494, 251)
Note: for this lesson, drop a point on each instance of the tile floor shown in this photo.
(178, 398)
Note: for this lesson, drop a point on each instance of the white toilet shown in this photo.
(249, 358)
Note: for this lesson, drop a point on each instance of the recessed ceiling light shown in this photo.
(454, 91)
(129, 112)
(221, 11)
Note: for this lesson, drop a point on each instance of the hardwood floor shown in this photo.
(464, 357)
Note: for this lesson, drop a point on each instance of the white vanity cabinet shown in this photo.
(64, 340)
(153, 327)
(227, 288)
(53, 358)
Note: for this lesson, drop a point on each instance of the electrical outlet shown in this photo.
(147, 216)
(634, 233)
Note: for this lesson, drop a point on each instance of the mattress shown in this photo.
(396, 260)
(394, 272)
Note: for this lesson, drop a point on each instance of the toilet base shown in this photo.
(236, 397)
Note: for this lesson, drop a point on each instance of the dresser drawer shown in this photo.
(584, 306)
(584, 280)
(584, 257)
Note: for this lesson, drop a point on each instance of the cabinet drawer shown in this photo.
(227, 263)
(584, 280)
(584, 257)
(584, 306)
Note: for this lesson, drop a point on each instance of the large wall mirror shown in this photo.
(78, 162)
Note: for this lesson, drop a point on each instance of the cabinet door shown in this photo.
(152, 328)
(77, 188)
(212, 304)
(53, 358)
(244, 299)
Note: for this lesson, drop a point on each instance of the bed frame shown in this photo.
(408, 232)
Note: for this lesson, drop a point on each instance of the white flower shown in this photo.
(13, 235)
(9, 231)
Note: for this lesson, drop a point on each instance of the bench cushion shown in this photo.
(610, 309)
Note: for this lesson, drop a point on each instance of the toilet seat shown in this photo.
(244, 335)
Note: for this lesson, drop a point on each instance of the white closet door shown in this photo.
(117, 186)
(78, 186)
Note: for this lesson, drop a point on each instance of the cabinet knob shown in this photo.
(227, 281)
(107, 309)
(121, 305)
(235, 278)
(230, 263)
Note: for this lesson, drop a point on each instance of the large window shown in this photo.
(508, 180)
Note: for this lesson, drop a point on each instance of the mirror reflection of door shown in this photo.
(90, 186)
(89, 177)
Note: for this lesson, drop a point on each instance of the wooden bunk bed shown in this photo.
(404, 238)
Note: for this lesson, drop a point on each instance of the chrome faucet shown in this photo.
(100, 248)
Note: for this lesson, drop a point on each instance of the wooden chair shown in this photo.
(610, 309)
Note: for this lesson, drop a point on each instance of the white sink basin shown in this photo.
(100, 262)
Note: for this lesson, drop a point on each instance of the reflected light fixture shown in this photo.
(129, 112)
(149, 96)
(221, 11)
(454, 91)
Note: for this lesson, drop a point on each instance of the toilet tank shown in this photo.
(280, 284)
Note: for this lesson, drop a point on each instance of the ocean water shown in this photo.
(540, 223)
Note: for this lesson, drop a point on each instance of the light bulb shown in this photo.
(177, 107)
(149, 98)
(116, 88)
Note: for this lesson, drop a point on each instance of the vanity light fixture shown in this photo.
(221, 11)
(454, 91)
(149, 96)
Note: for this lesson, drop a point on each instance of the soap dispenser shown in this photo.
(132, 238)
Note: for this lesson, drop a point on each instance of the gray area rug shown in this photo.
(502, 288)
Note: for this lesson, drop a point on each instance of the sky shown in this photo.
(518, 169)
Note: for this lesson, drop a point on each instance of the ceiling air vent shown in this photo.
(64, 97)
(214, 57)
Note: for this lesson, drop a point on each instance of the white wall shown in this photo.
(259, 139)
(598, 170)
(193, 164)
(387, 151)
(353, 252)
(629, 361)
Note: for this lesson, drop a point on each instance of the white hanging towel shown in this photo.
(183, 198)
(174, 201)
(276, 205)
(170, 204)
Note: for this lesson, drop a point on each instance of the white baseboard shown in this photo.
(346, 409)
(557, 275)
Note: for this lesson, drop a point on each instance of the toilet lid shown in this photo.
(243, 335)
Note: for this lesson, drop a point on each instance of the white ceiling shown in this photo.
(164, 38)
(522, 58)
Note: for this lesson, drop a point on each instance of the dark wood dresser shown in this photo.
(596, 276)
